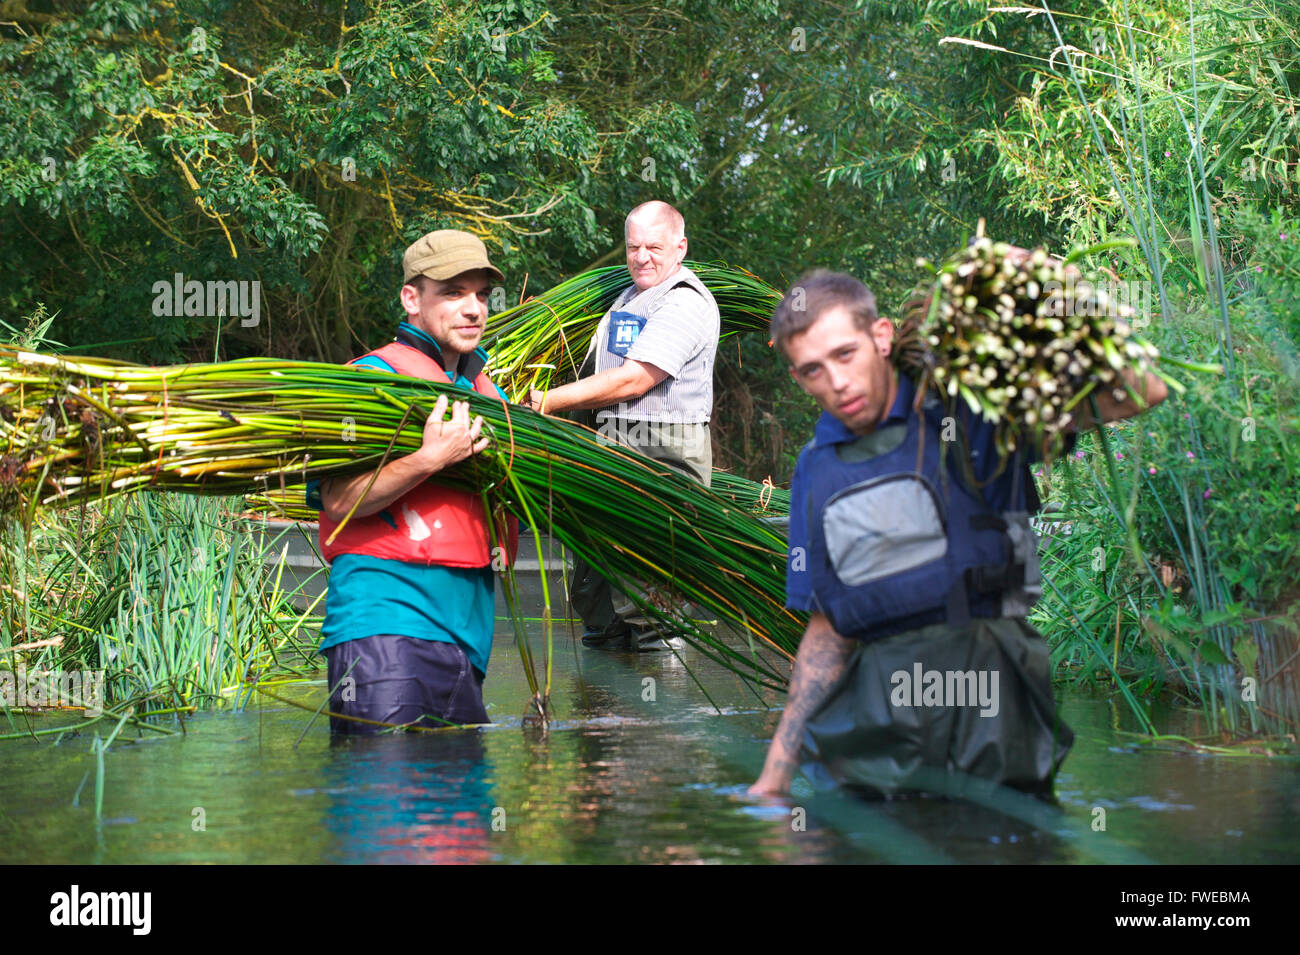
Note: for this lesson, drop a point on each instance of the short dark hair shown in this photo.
(418, 282)
(816, 292)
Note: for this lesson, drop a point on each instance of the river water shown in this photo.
(631, 771)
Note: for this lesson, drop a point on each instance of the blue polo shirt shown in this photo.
(369, 596)
(979, 436)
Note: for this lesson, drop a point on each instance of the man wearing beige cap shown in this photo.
(409, 613)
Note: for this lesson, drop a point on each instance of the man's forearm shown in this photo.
(629, 380)
(395, 479)
(445, 442)
(818, 666)
(1149, 388)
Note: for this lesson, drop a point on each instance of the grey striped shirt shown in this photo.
(673, 325)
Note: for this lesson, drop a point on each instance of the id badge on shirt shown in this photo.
(624, 327)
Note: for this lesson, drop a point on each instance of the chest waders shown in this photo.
(949, 687)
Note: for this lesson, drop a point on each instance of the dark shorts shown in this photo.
(878, 732)
(403, 681)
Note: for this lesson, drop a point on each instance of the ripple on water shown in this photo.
(619, 779)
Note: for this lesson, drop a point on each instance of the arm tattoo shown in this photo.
(822, 657)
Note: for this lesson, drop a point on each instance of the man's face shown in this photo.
(653, 252)
(454, 312)
(844, 367)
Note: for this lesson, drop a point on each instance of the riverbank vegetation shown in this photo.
(179, 601)
(304, 149)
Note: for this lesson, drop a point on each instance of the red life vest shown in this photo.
(429, 524)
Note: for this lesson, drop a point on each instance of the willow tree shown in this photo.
(302, 147)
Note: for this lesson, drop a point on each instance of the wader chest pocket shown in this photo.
(883, 527)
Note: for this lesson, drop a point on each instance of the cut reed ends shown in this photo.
(1022, 338)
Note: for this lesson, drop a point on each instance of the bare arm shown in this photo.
(823, 655)
(630, 380)
(1150, 388)
(445, 443)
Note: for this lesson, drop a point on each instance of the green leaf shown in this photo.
(1210, 652)
(1220, 616)
(1183, 647)
(1246, 650)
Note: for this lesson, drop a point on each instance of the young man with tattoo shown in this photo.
(917, 669)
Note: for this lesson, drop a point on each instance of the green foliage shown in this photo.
(305, 146)
(168, 594)
(1272, 237)
(301, 150)
(1138, 120)
(1215, 511)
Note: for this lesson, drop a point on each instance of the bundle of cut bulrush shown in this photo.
(762, 498)
(287, 504)
(550, 333)
(1023, 338)
(83, 428)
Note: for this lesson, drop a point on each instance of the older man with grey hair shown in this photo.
(649, 377)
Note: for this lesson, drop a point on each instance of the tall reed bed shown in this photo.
(1186, 129)
(167, 594)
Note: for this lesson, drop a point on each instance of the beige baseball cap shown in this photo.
(446, 253)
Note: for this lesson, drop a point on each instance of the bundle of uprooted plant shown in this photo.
(550, 333)
(764, 499)
(1023, 338)
(81, 428)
